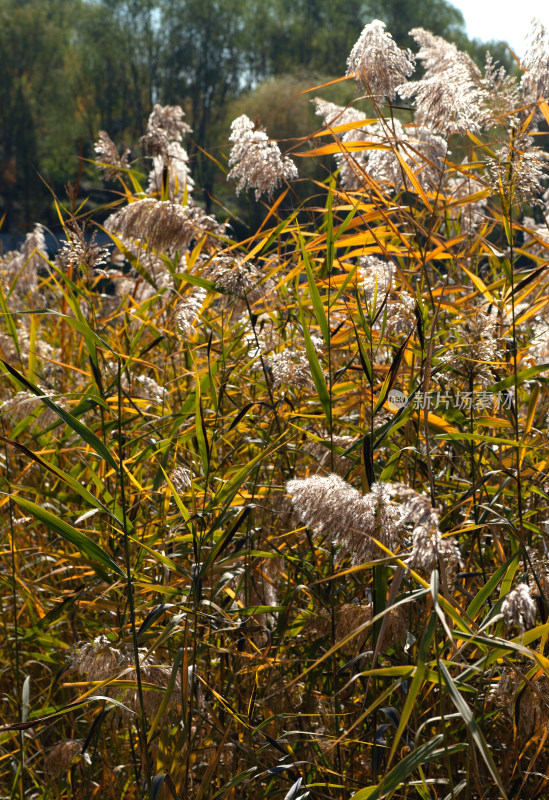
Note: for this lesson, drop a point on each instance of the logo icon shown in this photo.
(396, 400)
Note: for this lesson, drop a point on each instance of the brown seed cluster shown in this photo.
(163, 225)
(101, 660)
(331, 506)
(349, 617)
(61, 756)
(290, 369)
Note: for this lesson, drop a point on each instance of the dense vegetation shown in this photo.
(274, 510)
(69, 68)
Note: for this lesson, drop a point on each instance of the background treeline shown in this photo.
(69, 68)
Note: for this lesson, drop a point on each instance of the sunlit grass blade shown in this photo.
(472, 725)
(416, 685)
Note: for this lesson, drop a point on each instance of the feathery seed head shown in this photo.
(330, 505)
(170, 119)
(334, 115)
(164, 225)
(187, 313)
(378, 64)
(80, 251)
(533, 697)
(424, 153)
(171, 166)
(351, 165)
(519, 608)
(518, 170)
(429, 549)
(351, 616)
(380, 163)
(22, 265)
(181, 479)
(23, 404)
(112, 163)
(479, 348)
(262, 338)
(374, 278)
(165, 125)
(448, 98)
(150, 390)
(239, 278)
(61, 756)
(255, 161)
(100, 660)
(290, 368)
(499, 93)
(535, 79)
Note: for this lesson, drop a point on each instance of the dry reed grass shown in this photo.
(175, 621)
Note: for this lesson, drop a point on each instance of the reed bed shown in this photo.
(275, 510)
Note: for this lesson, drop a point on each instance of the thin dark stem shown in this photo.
(15, 633)
(508, 210)
(474, 478)
(129, 584)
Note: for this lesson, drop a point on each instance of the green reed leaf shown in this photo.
(83, 543)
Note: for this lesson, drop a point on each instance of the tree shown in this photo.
(314, 36)
(438, 16)
(119, 44)
(204, 64)
(69, 68)
(38, 125)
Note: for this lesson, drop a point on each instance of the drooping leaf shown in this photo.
(82, 430)
(83, 543)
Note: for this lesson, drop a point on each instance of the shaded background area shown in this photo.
(69, 68)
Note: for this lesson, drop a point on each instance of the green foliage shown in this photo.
(234, 563)
(72, 67)
(38, 126)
